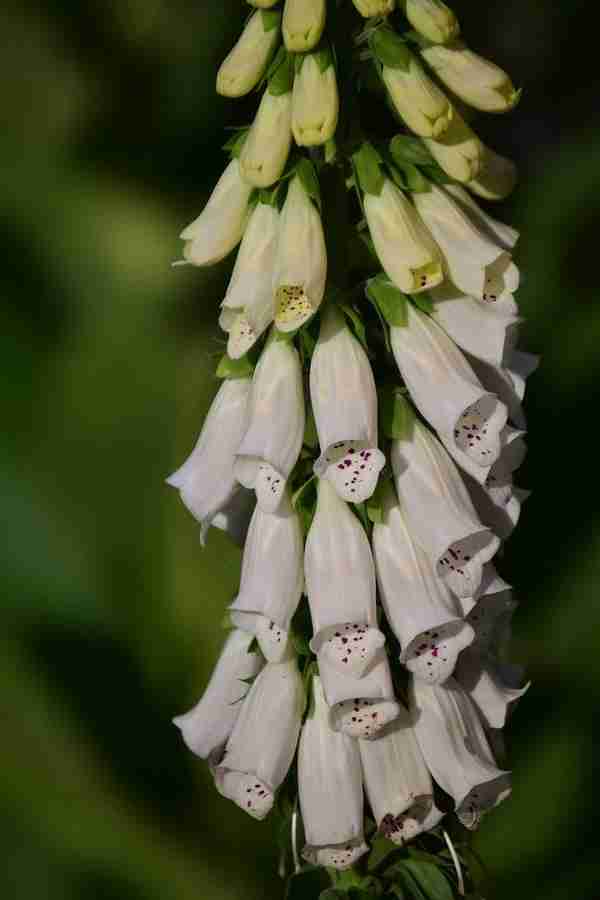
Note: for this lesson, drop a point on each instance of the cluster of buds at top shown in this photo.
(363, 443)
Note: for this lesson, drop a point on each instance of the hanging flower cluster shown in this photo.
(364, 440)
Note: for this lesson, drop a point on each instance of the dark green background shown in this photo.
(111, 612)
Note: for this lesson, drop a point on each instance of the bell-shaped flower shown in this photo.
(419, 102)
(234, 518)
(482, 679)
(272, 578)
(207, 726)
(456, 749)
(316, 102)
(271, 444)
(424, 615)
(439, 513)
(405, 248)
(344, 403)
(497, 176)
(494, 598)
(330, 789)
(206, 481)
(509, 381)
(340, 583)
(397, 781)
(370, 8)
(243, 68)
(433, 19)
(267, 146)
(497, 500)
(303, 24)
(446, 391)
(360, 707)
(220, 226)
(477, 262)
(477, 81)
(301, 260)
(458, 151)
(263, 741)
(503, 234)
(249, 306)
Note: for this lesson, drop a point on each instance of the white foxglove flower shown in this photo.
(340, 583)
(301, 260)
(316, 101)
(271, 444)
(494, 599)
(267, 146)
(330, 788)
(360, 707)
(344, 403)
(445, 389)
(234, 518)
(504, 234)
(477, 81)
(477, 262)
(509, 381)
(496, 500)
(439, 512)
(424, 616)
(424, 108)
(370, 8)
(263, 741)
(206, 481)
(244, 66)
(397, 781)
(433, 19)
(403, 244)
(272, 578)
(458, 151)
(481, 678)
(303, 24)
(456, 749)
(220, 226)
(497, 176)
(207, 726)
(249, 306)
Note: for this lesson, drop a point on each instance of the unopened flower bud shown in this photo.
(433, 19)
(267, 146)
(497, 177)
(370, 8)
(458, 151)
(476, 80)
(243, 68)
(303, 24)
(316, 102)
(421, 104)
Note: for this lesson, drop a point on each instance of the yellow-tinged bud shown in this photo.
(303, 24)
(479, 82)
(433, 19)
(262, 4)
(459, 152)
(243, 68)
(369, 8)
(316, 102)
(497, 177)
(420, 103)
(267, 146)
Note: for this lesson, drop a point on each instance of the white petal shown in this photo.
(251, 284)
(207, 726)
(509, 381)
(482, 681)
(506, 235)
(360, 707)
(234, 517)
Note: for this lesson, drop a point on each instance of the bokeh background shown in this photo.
(111, 141)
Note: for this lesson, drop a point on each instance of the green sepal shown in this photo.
(307, 174)
(375, 506)
(281, 81)
(356, 323)
(436, 174)
(409, 178)
(304, 502)
(236, 142)
(271, 19)
(323, 58)
(300, 644)
(396, 415)
(431, 882)
(367, 165)
(361, 511)
(234, 368)
(423, 302)
(254, 646)
(390, 49)
(405, 148)
(390, 301)
(382, 849)
(226, 623)
(311, 438)
(307, 682)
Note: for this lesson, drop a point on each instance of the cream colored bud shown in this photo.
(418, 101)
(267, 146)
(315, 104)
(262, 4)
(459, 151)
(479, 82)
(369, 8)
(303, 24)
(433, 19)
(497, 177)
(243, 68)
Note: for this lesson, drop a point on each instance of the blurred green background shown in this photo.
(110, 143)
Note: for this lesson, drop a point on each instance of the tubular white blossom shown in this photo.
(271, 444)
(207, 726)
(370, 8)
(303, 24)
(458, 151)
(446, 391)
(206, 481)
(456, 749)
(220, 226)
(403, 244)
(418, 101)
(234, 517)
(477, 81)
(504, 234)
(330, 787)
(496, 500)
(263, 741)
(509, 381)
(267, 146)
(340, 583)
(433, 19)
(344, 403)
(397, 781)
(242, 69)
(360, 707)
(315, 104)
(497, 176)
(424, 616)
(272, 578)
(481, 678)
(301, 260)
(439, 512)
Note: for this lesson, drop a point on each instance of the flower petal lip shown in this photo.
(482, 680)
(360, 707)
(242, 69)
